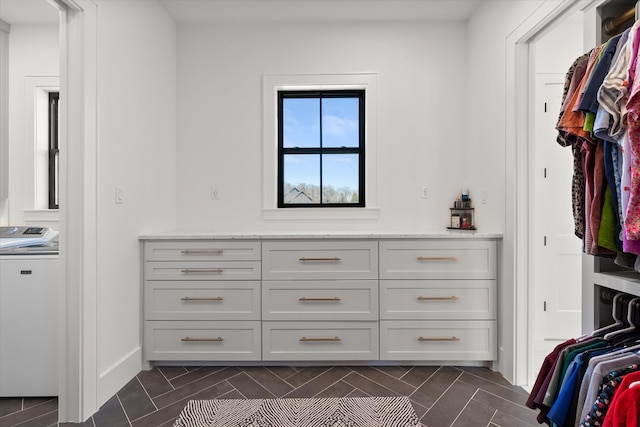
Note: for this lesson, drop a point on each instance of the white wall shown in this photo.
(136, 151)
(489, 41)
(33, 56)
(422, 85)
(4, 120)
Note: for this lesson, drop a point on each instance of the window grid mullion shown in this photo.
(321, 147)
(320, 150)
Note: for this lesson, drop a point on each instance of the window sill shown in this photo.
(38, 215)
(314, 214)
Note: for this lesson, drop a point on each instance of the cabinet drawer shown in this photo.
(191, 340)
(320, 300)
(438, 340)
(438, 259)
(202, 270)
(319, 260)
(320, 341)
(202, 250)
(437, 299)
(202, 300)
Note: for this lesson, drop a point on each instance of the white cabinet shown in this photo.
(331, 282)
(202, 300)
(29, 325)
(321, 341)
(438, 300)
(320, 259)
(320, 299)
(438, 259)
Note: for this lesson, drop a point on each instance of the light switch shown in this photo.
(119, 195)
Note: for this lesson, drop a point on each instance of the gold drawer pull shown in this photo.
(202, 270)
(202, 251)
(304, 299)
(334, 339)
(451, 298)
(438, 258)
(189, 339)
(438, 339)
(334, 259)
(187, 299)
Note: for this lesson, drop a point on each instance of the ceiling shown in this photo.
(28, 12)
(209, 11)
(202, 11)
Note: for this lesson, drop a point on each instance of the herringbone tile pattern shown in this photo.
(441, 396)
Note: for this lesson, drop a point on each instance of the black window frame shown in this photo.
(54, 150)
(360, 150)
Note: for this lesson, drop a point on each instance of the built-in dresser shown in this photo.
(328, 299)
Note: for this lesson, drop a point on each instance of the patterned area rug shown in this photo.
(328, 412)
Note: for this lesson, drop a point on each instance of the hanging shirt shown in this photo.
(632, 221)
(572, 80)
(619, 414)
(589, 102)
(598, 411)
(599, 377)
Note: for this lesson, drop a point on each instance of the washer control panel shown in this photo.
(16, 236)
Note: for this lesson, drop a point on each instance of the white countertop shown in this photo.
(187, 234)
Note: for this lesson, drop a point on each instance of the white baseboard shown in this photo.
(118, 375)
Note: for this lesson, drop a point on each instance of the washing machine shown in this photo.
(29, 301)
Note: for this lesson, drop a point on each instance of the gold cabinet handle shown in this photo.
(202, 251)
(332, 259)
(438, 258)
(304, 299)
(187, 299)
(202, 270)
(438, 339)
(451, 298)
(332, 339)
(189, 339)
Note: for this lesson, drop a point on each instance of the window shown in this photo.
(321, 148)
(272, 85)
(54, 149)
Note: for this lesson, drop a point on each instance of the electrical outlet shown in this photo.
(425, 192)
(215, 194)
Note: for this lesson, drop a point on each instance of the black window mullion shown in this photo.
(321, 150)
(54, 98)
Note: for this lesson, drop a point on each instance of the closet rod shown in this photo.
(612, 26)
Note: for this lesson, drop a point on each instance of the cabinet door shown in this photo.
(319, 259)
(202, 270)
(438, 259)
(202, 300)
(437, 299)
(320, 300)
(454, 340)
(291, 341)
(202, 250)
(202, 341)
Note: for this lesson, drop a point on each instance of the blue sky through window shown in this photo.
(340, 128)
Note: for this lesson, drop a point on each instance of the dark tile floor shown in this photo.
(441, 396)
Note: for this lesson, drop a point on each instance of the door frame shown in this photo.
(78, 367)
(520, 86)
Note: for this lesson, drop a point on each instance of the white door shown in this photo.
(557, 252)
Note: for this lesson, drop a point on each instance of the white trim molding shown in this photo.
(514, 350)
(78, 394)
(271, 84)
(4, 113)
